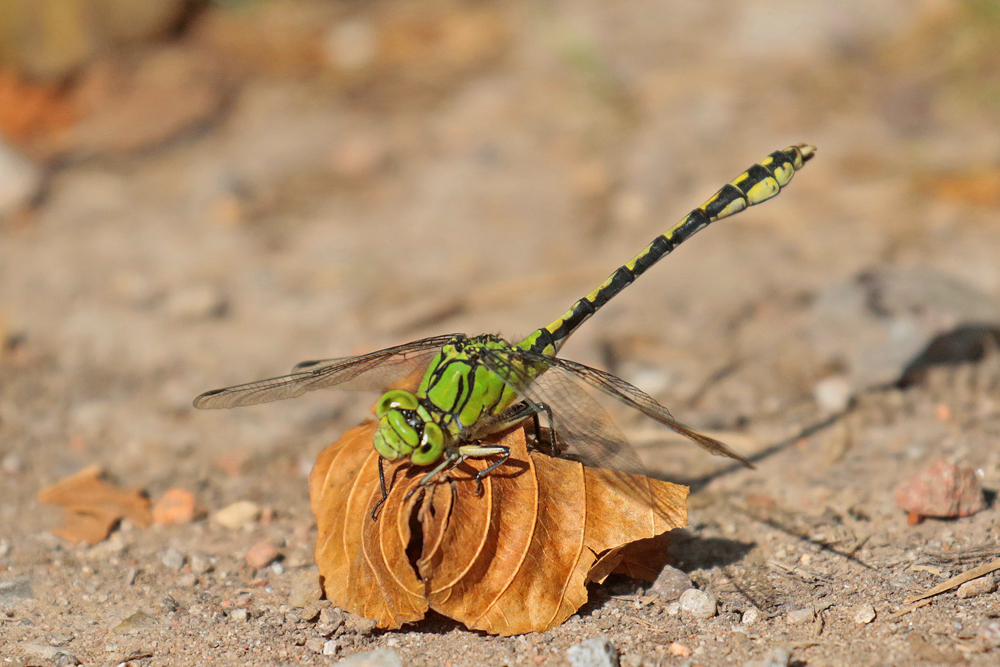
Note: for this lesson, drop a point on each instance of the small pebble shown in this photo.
(176, 506)
(596, 652)
(751, 616)
(799, 616)
(380, 658)
(173, 559)
(673, 609)
(187, 580)
(261, 554)
(199, 563)
(331, 618)
(331, 647)
(239, 615)
(679, 650)
(671, 583)
(976, 587)
(941, 490)
(833, 393)
(864, 614)
(360, 626)
(305, 589)
(698, 604)
(237, 515)
(5, 548)
(52, 654)
(20, 181)
(316, 645)
(11, 464)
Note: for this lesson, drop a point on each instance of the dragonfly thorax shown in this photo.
(405, 428)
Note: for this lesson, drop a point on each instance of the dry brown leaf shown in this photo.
(516, 559)
(92, 507)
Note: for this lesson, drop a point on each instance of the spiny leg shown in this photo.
(385, 491)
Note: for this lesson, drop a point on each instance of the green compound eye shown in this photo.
(397, 398)
(431, 445)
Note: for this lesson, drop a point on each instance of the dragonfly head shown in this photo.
(406, 429)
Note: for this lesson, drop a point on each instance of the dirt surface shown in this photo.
(483, 185)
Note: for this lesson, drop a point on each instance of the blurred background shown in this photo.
(195, 194)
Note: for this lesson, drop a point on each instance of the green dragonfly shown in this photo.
(473, 387)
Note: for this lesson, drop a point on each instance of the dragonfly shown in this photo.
(472, 387)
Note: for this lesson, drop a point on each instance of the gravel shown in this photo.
(596, 652)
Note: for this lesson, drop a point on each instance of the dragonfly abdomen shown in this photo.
(755, 185)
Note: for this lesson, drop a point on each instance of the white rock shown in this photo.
(173, 559)
(237, 515)
(799, 616)
(751, 616)
(698, 604)
(596, 652)
(19, 181)
(238, 615)
(832, 393)
(864, 614)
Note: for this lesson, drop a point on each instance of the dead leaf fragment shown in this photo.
(516, 559)
(93, 507)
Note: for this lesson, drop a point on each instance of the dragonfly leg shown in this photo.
(452, 458)
(479, 451)
(385, 491)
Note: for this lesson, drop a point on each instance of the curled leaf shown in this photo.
(515, 559)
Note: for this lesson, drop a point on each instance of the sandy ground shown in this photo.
(311, 220)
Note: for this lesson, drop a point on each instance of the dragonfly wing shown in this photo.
(368, 372)
(640, 400)
(584, 429)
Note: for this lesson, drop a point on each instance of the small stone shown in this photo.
(173, 559)
(380, 658)
(331, 647)
(311, 611)
(751, 616)
(133, 623)
(779, 657)
(174, 507)
(237, 515)
(5, 548)
(671, 583)
(187, 580)
(799, 616)
(679, 650)
(942, 490)
(199, 563)
(261, 554)
(596, 652)
(20, 181)
(359, 625)
(239, 615)
(305, 589)
(11, 463)
(673, 608)
(14, 591)
(331, 618)
(50, 653)
(315, 645)
(832, 394)
(989, 635)
(864, 614)
(698, 604)
(976, 587)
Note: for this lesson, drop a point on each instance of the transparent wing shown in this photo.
(583, 428)
(369, 372)
(632, 396)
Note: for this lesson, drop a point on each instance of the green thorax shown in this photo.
(464, 383)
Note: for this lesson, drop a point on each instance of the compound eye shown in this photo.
(395, 399)
(431, 445)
